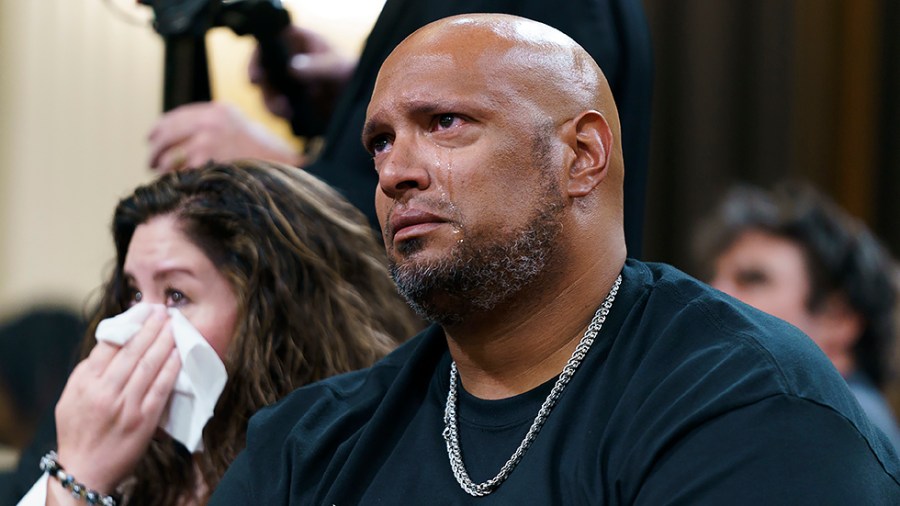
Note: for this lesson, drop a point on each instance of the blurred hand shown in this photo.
(193, 134)
(112, 404)
(315, 65)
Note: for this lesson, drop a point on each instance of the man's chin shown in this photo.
(414, 266)
(420, 250)
(408, 248)
(433, 304)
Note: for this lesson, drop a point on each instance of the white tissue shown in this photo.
(199, 383)
(119, 329)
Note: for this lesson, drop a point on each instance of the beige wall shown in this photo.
(80, 88)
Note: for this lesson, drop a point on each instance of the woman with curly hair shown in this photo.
(278, 273)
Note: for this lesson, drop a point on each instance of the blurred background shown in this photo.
(762, 90)
(745, 90)
(80, 87)
(81, 84)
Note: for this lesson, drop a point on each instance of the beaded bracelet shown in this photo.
(50, 465)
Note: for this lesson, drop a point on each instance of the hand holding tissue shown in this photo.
(200, 382)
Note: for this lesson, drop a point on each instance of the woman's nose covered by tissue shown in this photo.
(200, 382)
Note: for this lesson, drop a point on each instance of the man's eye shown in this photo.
(752, 278)
(446, 120)
(379, 144)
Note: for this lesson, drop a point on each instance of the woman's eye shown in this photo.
(175, 298)
(134, 297)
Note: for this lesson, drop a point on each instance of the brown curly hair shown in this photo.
(314, 299)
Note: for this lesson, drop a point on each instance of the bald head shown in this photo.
(538, 67)
(547, 62)
(495, 139)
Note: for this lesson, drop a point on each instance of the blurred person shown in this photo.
(279, 274)
(796, 255)
(614, 32)
(38, 348)
(557, 370)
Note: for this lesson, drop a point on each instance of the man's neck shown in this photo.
(515, 348)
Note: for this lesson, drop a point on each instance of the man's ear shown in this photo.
(590, 138)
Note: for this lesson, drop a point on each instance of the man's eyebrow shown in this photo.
(430, 107)
(415, 109)
(369, 128)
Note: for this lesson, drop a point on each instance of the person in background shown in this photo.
(795, 254)
(38, 348)
(557, 370)
(614, 32)
(279, 274)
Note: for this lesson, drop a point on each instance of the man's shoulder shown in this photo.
(317, 421)
(308, 434)
(704, 356)
(348, 394)
(679, 307)
(678, 320)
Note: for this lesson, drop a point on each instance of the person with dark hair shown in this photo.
(282, 278)
(614, 32)
(37, 350)
(557, 371)
(796, 255)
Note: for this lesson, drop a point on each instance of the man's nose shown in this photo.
(403, 170)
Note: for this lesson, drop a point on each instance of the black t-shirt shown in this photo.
(686, 397)
(614, 32)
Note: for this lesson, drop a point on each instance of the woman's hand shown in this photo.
(112, 404)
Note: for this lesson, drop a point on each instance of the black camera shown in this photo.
(183, 25)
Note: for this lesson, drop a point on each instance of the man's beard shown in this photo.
(481, 272)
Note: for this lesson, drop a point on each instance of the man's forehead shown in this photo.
(508, 51)
(417, 58)
(415, 61)
(489, 30)
(426, 76)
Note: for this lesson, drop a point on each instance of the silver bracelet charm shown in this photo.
(50, 465)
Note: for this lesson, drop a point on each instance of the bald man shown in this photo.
(556, 371)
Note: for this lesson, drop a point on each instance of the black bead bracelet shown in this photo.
(50, 465)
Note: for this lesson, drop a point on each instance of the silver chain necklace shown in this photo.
(451, 432)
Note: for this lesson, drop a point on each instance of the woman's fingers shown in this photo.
(106, 418)
(100, 357)
(157, 396)
(150, 365)
(121, 367)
